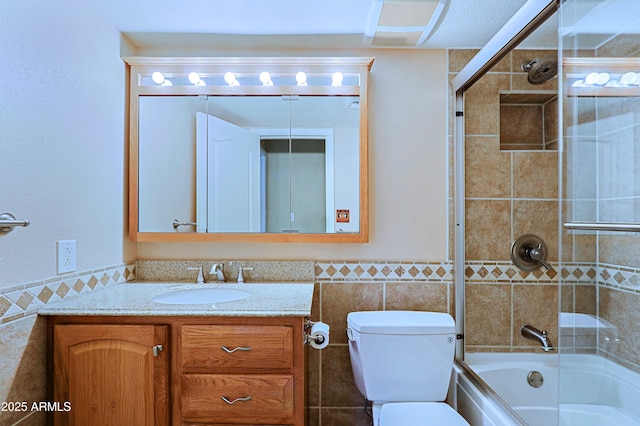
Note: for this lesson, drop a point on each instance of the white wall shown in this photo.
(408, 165)
(62, 137)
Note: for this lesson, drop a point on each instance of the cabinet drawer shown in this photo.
(231, 348)
(251, 399)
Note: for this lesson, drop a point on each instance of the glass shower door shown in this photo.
(599, 320)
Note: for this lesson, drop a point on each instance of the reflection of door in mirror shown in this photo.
(232, 178)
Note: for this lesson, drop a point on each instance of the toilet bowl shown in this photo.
(419, 414)
(402, 362)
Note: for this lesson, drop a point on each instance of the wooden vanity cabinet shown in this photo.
(211, 370)
(247, 371)
(111, 374)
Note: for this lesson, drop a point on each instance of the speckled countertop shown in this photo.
(134, 299)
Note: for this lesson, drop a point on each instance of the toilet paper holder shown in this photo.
(310, 337)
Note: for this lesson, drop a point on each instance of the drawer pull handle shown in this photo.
(246, 398)
(239, 348)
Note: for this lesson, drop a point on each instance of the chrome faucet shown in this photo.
(218, 269)
(533, 333)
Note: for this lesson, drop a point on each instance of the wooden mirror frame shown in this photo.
(139, 66)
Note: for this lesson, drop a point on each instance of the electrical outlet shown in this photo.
(66, 250)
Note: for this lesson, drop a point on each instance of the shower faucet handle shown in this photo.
(537, 254)
(529, 252)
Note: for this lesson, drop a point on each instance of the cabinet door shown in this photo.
(110, 375)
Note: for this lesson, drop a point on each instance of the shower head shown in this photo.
(541, 70)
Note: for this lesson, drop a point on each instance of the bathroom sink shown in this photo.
(197, 296)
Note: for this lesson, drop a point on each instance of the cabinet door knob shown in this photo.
(225, 399)
(157, 349)
(239, 348)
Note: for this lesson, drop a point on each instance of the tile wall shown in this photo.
(343, 287)
(508, 193)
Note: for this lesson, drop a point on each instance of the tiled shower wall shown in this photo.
(508, 193)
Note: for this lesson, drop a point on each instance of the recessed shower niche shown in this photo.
(529, 120)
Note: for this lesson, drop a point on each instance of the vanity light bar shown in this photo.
(264, 78)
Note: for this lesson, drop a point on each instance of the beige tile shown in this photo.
(345, 416)
(622, 309)
(416, 297)
(536, 305)
(482, 105)
(313, 376)
(23, 374)
(586, 299)
(567, 298)
(535, 174)
(313, 417)
(487, 169)
(614, 249)
(551, 122)
(521, 124)
(458, 58)
(338, 299)
(488, 314)
(623, 45)
(539, 218)
(488, 229)
(338, 387)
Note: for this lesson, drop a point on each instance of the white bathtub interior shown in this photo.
(588, 390)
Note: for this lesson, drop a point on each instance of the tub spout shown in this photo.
(533, 333)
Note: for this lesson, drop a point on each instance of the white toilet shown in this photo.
(402, 363)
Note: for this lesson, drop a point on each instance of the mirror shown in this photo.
(252, 163)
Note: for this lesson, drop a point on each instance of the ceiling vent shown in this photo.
(403, 23)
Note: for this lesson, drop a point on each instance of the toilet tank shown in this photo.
(401, 356)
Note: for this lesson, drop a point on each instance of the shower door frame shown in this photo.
(526, 20)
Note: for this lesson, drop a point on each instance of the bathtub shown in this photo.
(594, 391)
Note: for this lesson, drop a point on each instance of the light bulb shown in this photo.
(628, 78)
(167, 83)
(157, 77)
(194, 77)
(230, 78)
(603, 78)
(265, 78)
(336, 79)
(301, 78)
(591, 78)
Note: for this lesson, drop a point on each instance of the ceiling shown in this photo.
(297, 23)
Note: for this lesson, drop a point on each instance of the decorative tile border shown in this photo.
(383, 271)
(24, 300)
(620, 277)
(506, 272)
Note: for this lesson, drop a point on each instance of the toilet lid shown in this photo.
(419, 414)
